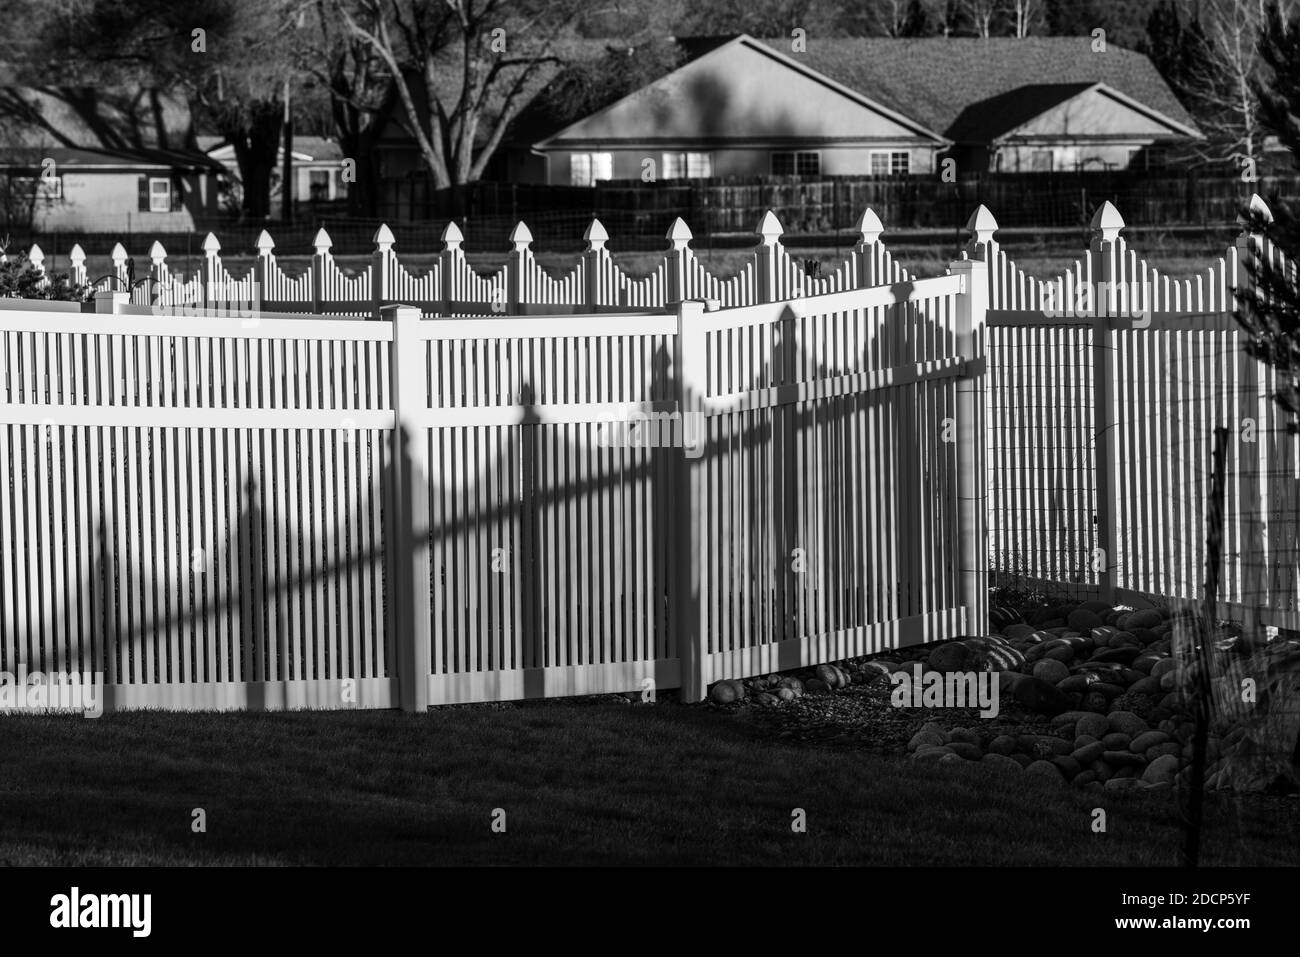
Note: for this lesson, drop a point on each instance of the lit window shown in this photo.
(160, 195)
(687, 165)
(796, 164)
(585, 169)
(892, 163)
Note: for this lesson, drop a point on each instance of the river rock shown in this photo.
(1162, 770)
(1147, 739)
(1088, 753)
(1046, 771)
(1049, 669)
(1126, 722)
(1096, 725)
(1040, 697)
(1003, 744)
(964, 749)
(1000, 762)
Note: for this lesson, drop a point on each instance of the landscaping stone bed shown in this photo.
(1090, 694)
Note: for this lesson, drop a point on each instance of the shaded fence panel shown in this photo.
(195, 510)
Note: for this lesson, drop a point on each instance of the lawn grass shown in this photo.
(580, 782)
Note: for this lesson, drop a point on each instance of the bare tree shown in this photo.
(1220, 80)
(981, 14)
(461, 70)
(1026, 14)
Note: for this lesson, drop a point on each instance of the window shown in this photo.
(1040, 161)
(48, 189)
(796, 164)
(318, 184)
(160, 194)
(687, 165)
(585, 169)
(891, 163)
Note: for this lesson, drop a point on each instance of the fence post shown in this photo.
(158, 276)
(679, 262)
(408, 462)
(866, 252)
(109, 302)
(209, 269)
(77, 265)
(972, 506)
(594, 258)
(517, 267)
(121, 266)
(320, 265)
(690, 364)
(452, 257)
(1106, 224)
(768, 272)
(1254, 504)
(982, 246)
(262, 267)
(381, 268)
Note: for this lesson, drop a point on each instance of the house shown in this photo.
(318, 167)
(86, 161)
(741, 107)
(1037, 104)
(871, 107)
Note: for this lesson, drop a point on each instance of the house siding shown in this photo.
(730, 161)
(109, 201)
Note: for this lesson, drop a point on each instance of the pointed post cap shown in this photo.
(981, 225)
(870, 227)
(118, 255)
(1107, 222)
(521, 236)
(452, 237)
(596, 236)
(157, 255)
(384, 238)
(211, 245)
(769, 229)
(1256, 209)
(321, 242)
(36, 256)
(679, 234)
(77, 256)
(264, 243)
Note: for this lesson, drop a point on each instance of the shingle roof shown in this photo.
(72, 157)
(936, 79)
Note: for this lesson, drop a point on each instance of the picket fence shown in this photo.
(281, 510)
(1106, 385)
(520, 286)
(232, 495)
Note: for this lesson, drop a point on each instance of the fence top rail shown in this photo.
(548, 327)
(918, 290)
(173, 326)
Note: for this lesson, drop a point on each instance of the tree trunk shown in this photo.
(257, 145)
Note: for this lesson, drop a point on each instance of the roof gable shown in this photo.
(744, 90)
(1061, 109)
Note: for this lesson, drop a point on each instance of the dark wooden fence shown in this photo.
(632, 211)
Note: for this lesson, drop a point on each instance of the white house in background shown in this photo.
(317, 167)
(868, 107)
